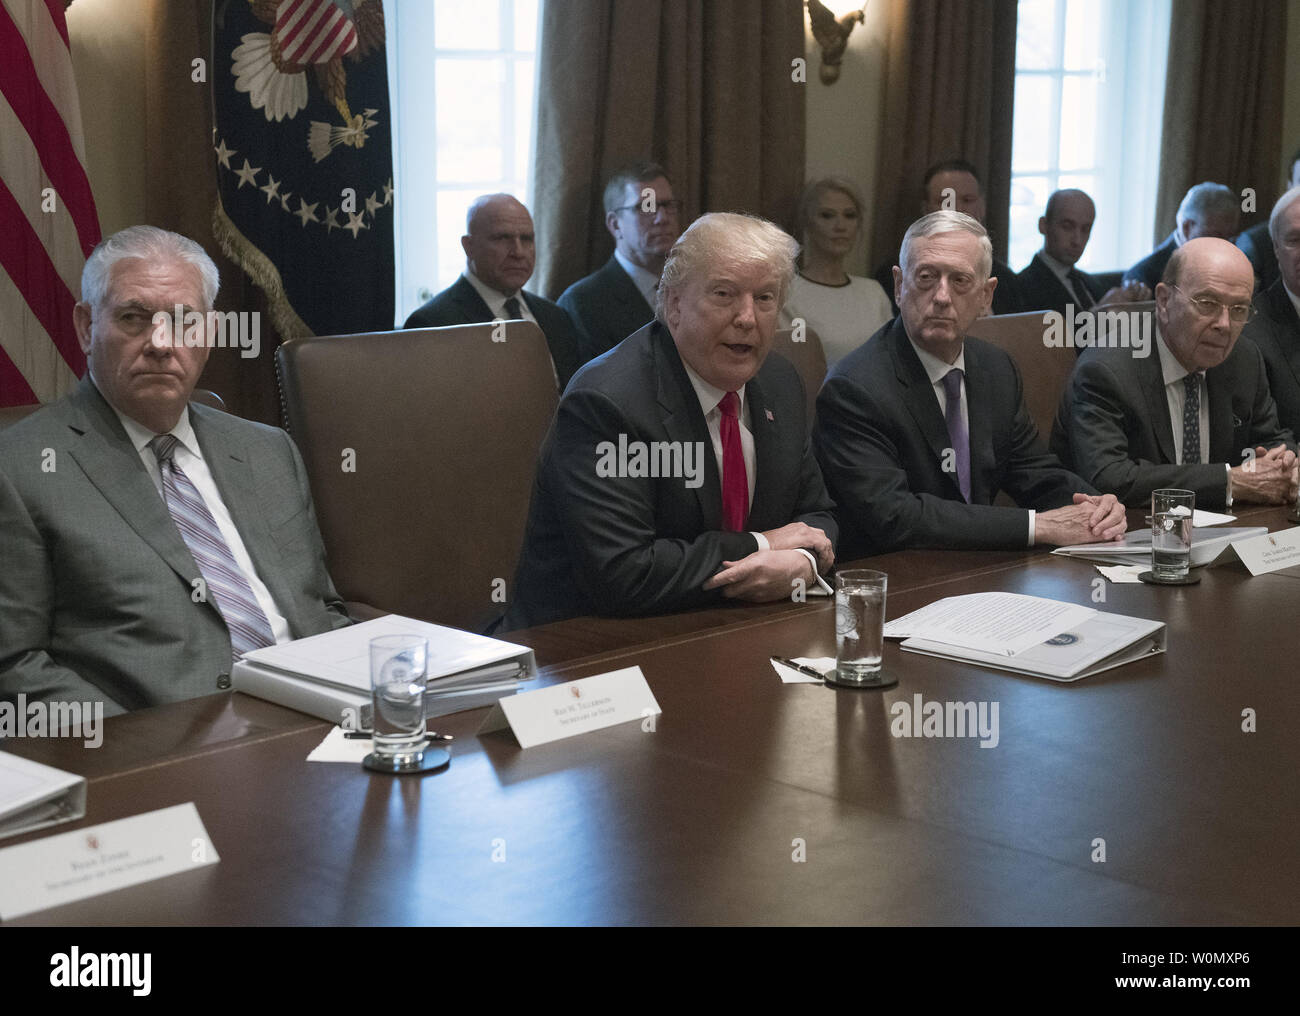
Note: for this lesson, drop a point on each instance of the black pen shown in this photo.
(799, 667)
(357, 735)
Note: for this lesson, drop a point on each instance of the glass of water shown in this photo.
(398, 675)
(1171, 533)
(859, 626)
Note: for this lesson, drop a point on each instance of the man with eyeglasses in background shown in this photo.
(619, 298)
(1183, 417)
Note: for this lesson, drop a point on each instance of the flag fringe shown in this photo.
(247, 256)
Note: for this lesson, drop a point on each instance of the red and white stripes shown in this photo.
(48, 222)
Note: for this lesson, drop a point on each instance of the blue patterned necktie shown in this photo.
(513, 311)
(225, 580)
(957, 432)
(1192, 418)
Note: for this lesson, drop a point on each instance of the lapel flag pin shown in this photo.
(769, 415)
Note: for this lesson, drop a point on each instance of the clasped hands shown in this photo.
(767, 575)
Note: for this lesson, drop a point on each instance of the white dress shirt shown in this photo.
(646, 281)
(936, 370)
(189, 457)
(496, 300)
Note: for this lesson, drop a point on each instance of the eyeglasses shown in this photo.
(672, 206)
(1238, 313)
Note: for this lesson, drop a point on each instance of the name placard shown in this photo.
(73, 866)
(1264, 554)
(578, 707)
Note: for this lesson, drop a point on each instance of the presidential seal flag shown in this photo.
(304, 159)
(47, 214)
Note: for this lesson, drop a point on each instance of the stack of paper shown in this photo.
(1207, 544)
(1027, 634)
(328, 675)
(33, 796)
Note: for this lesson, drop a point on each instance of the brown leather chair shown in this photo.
(9, 415)
(1046, 369)
(808, 359)
(421, 447)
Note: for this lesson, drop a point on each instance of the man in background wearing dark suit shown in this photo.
(955, 185)
(500, 253)
(677, 472)
(1257, 244)
(147, 542)
(1181, 417)
(613, 302)
(1051, 281)
(1275, 328)
(1208, 209)
(918, 429)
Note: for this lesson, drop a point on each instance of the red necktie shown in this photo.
(735, 483)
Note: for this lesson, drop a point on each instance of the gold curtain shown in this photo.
(1223, 102)
(949, 88)
(703, 86)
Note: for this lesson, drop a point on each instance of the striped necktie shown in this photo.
(226, 583)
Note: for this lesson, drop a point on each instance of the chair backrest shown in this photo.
(808, 359)
(421, 447)
(1046, 351)
(1044, 369)
(9, 415)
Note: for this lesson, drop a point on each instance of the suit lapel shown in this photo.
(1218, 389)
(1283, 310)
(684, 421)
(979, 419)
(762, 424)
(109, 460)
(1150, 377)
(918, 396)
(625, 289)
(470, 302)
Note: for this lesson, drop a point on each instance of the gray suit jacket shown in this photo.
(1113, 424)
(95, 591)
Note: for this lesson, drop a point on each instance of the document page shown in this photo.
(1001, 623)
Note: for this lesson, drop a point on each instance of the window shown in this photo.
(1090, 93)
(461, 76)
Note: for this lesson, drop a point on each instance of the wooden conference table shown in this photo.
(700, 821)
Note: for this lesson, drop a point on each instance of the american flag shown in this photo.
(314, 31)
(47, 214)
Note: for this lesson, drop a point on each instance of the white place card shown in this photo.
(1270, 553)
(577, 707)
(54, 870)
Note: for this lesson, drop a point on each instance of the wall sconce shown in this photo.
(832, 34)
